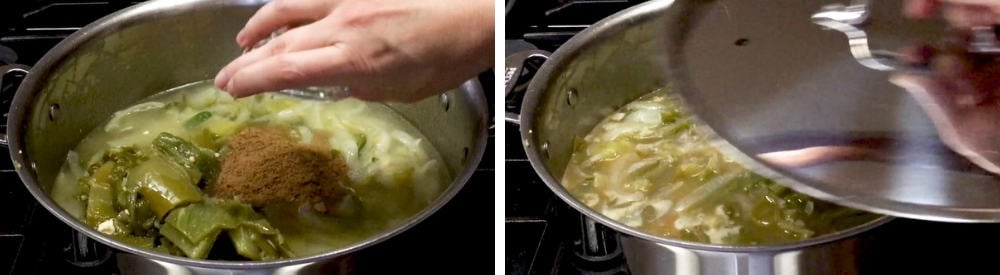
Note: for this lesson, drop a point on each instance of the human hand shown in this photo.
(396, 50)
(961, 14)
(960, 99)
(959, 95)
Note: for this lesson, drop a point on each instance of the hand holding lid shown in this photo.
(796, 105)
(954, 83)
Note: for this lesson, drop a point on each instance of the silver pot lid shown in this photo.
(787, 98)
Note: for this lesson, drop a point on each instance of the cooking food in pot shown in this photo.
(193, 172)
(647, 167)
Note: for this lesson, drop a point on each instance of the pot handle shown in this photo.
(519, 69)
(4, 71)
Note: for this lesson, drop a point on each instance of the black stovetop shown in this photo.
(543, 234)
(32, 241)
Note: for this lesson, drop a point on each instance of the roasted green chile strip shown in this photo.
(253, 237)
(164, 185)
(187, 154)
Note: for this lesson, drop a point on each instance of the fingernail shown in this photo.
(229, 86)
(241, 39)
(219, 78)
(912, 10)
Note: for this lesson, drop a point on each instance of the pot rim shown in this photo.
(27, 92)
(537, 88)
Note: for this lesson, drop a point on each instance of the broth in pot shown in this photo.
(647, 167)
(193, 172)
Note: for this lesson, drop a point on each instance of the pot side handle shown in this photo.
(6, 70)
(519, 69)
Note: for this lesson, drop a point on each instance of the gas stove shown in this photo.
(32, 241)
(546, 236)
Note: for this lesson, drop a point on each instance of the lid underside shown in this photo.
(773, 85)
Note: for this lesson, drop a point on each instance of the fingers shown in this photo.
(278, 14)
(958, 128)
(960, 80)
(986, 80)
(326, 66)
(919, 8)
(937, 93)
(297, 39)
(968, 16)
(959, 13)
(956, 86)
(917, 55)
(316, 67)
(968, 79)
(973, 2)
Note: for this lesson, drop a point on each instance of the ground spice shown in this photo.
(266, 165)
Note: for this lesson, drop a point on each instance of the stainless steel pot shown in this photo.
(611, 63)
(131, 54)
